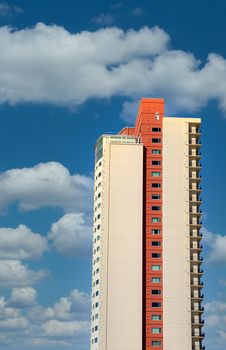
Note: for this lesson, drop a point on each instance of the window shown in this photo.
(156, 244)
(156, 304)
(156, 330)
(97, 304)
(155, 220)
(156, 317)
(97, 293)
(156, 140)
(156, 129)
(156, 151)
(96, 340)
(155, 185)
(155, 196)
(99, 175)
(156, 255)
(98, 216)
(155, 232)
(97, 282)
(98, 227)
(96, 316)
(156, 279)
(156, 291)
(156, 162)
(156, 173)
(156, 267)
(99, 194)
(156, 343)
(96, 328)
(155, 208)
(98, 237)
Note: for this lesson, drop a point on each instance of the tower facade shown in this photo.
(146, 284)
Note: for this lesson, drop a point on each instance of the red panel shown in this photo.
(150, 116)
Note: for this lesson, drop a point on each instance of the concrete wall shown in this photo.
(176, 252)
(121, 279)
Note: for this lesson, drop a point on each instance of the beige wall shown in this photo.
(176, 254)
(121, 278)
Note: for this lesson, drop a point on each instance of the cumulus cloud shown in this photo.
(75, 306)
(215, 323)
(22, 297)
(46, 184)
(57, 328)
(71, 235)
(15, 274)
(21, 243)
(47, 64)
(7, 312)
(66, 323)
(217, 244)
(14, 323)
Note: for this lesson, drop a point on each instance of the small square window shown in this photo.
(156, 151)
(156, 196)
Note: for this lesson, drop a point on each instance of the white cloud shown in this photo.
(15, 274)
(217, 244)
(7, 312)
(71, 235)
(22, 297)
(21, 243)
(7, 10)
(66, 323)
(49, 64)
(104, 19)
(46, 184)
(138, 11)
(75, 306)
(215, 323)
(14, 323)
(57, 328)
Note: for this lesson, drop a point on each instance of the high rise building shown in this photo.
(146, 284)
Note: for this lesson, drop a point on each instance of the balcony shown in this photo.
(198, 272)
(195, 130)
(197, 297)
(198, 322)
(196, 235)
(200, 335)
(197, 309)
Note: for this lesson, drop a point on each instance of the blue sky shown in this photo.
(70, 71)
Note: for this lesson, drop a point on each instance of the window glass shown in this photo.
(156, 173)
(155, 196)
(155, 232)
(156, 279)
(156, 151)
(156, 162)
(156, 330)
(155, 220)
(156, 343)
(156, 255)
(155, 243)
(156, 317)
(156, 140)
(156, 267)
(155, 185)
